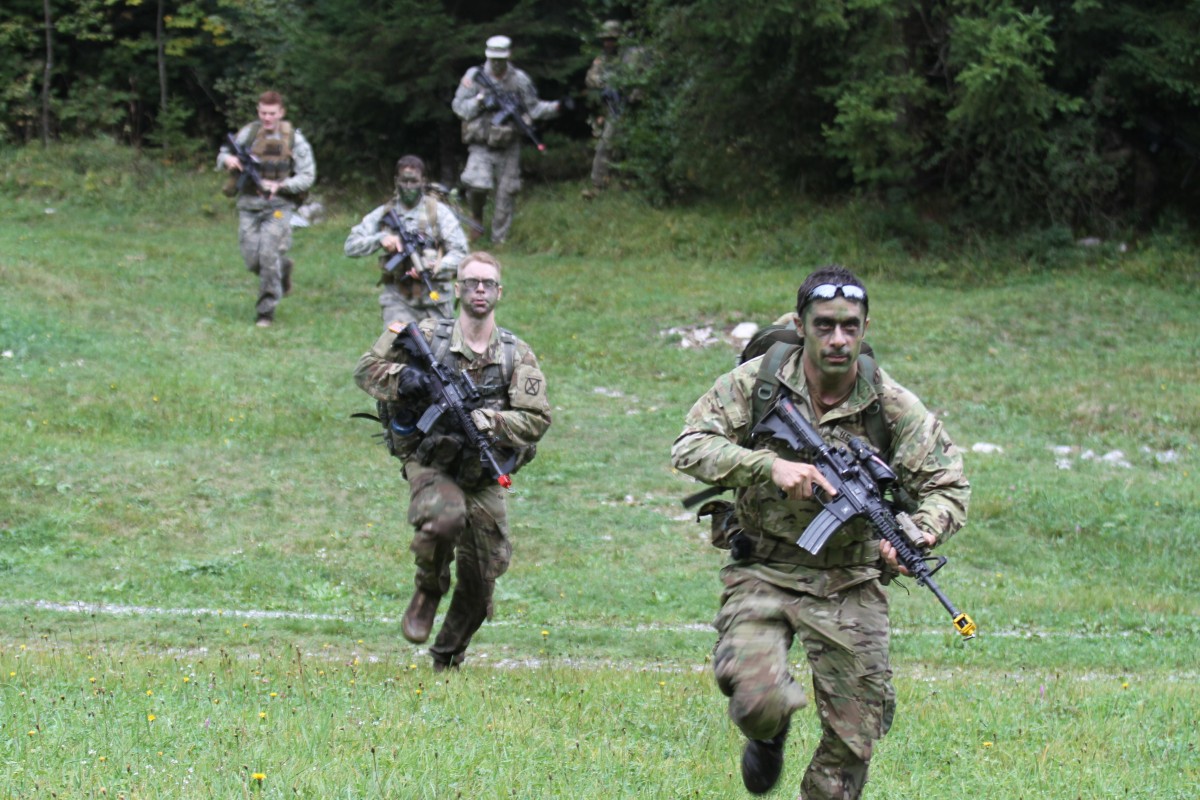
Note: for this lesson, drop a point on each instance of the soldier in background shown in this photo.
(604, 84)
(288, 171)
(833, 602)
(404, 297)
(494, 151)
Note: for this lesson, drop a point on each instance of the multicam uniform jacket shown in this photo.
(519, 408)
(716, 447)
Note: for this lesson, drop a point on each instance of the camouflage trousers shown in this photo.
(396, 306)
(468, 527)
(265, 236)
(845, 637)
(602, 161)
(499, 170)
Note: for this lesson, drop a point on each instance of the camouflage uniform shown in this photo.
(833, 601)
(494, 151)
(606, 73)
(405, 300)
(264, 224)
(457, 510)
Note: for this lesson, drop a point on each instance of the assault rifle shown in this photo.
(614, 101)
(861, 478)
(412, 243)
(250, 165)
(508, 106)
(454, 392)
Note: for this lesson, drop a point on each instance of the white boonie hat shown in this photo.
(498, 47)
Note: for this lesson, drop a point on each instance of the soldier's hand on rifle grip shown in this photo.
(412, 383)
(233, 163)
(798, 481)
(390, 242)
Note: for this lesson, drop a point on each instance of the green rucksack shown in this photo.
(777, 343)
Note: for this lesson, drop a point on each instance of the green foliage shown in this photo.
(730, 101)
(1000, 114)
(1010, 112)
(376, 79)
(173, 135)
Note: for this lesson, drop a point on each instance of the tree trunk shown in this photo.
(46, 74)
(162, 60)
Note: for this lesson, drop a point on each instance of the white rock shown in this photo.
(744, 330)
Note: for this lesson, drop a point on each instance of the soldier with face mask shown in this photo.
(440, 247)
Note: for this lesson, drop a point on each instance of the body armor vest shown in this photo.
(274, 151)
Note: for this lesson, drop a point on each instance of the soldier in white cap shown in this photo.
(494, 148)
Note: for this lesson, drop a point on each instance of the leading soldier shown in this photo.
(833, 602)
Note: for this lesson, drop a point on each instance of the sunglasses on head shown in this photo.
(828, 291)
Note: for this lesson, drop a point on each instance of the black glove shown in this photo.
(412, 383)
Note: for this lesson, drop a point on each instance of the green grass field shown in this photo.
(204, 559)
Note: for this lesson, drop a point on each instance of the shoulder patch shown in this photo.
(396, 327)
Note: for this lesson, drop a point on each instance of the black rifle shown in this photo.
(614, 101)
(861, 479)
(509, 107)
(250, 164)
(412, 243)
(454, 392)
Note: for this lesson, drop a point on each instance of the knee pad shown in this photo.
(447, 525)
(761, 711)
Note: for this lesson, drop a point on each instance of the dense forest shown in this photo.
(1072, 112)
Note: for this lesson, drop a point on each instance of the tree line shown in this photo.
(1076, 112)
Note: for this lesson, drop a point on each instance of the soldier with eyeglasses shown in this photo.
(458, 510)
(834, 602)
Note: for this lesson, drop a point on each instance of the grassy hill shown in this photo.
(204, 559)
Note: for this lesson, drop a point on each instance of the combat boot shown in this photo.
(418, 618)
(762, 762)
